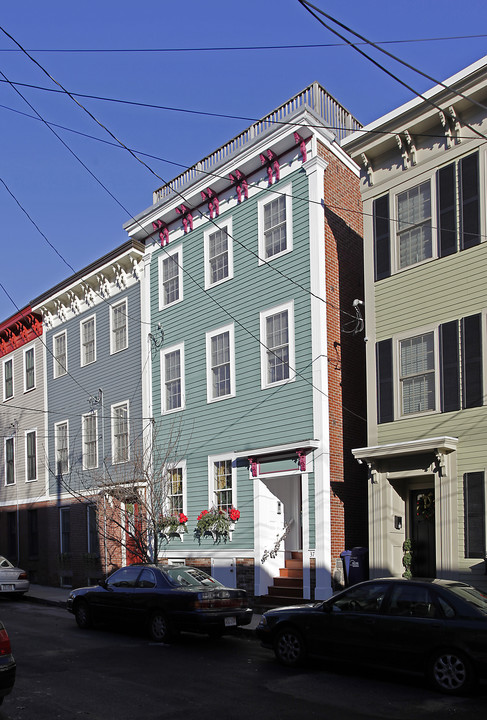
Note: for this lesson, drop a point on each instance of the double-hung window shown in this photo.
(275, 225)
(120, 433)
(220, 363)
(417, 373)
(10, 461)
(60, 357)
(61, 449)
(31, 455)
(223, 486)
(170, 277)
(277, 345)
(119, 327)
(414, 225)
(175, 491)
(29, 369)
(218, 254)
(172, 379)
(88, 340)
(90, 441)
(8, 379)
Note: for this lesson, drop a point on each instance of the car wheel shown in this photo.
(289, 647)
(82, 614)
(451, 672)
(159, 629)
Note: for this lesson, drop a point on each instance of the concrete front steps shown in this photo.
(288, 587)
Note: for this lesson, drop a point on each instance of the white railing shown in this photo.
(334, 115)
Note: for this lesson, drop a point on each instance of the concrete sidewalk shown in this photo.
(46, 595)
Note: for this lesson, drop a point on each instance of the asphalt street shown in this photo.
(64, 672)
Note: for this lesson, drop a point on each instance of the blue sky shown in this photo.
(79, 219)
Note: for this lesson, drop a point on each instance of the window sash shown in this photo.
(414, 225)
(62, 449)
(120, 434)
(175, 494)
(218, 256)
(119, 327)
(90, 442)
(60, 359)
(31, 447)
(220, 365)
(9, 379)
(88, 341)
(170, 279)
(172, 380)
(275, 238)
(222, 478)
(9, 461)
(417, 374)
(29, 369)
(277, 344)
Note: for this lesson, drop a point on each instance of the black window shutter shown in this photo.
(447, 215)
(382, 240)
(470, 200)
(385, 381)
(472, 361)
(449, 366)
(474, 514)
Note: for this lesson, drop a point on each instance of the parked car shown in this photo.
(12, 579)
(166, 598)
(436, 627)
(7, 664)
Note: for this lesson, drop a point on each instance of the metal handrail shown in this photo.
(314, 96)
(273, 553)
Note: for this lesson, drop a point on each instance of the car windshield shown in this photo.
(471, 595)
(185, 576)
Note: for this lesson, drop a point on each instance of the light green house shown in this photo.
(250, 272)
(423, 186)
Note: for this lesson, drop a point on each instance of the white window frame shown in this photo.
(6, 362)
(82, 344)
(8, 439)
(28, 350)
(114, 408)
(268, 198)
(85, 455)
(167, 351)
(399, 414)
(57, 426)
(414, 183)
(209, 376)
(223, 225)
(178, 466)
(169, 253)
(27, 433)
(58, 369)
(113, 307)
(212, 493)
(289, 308)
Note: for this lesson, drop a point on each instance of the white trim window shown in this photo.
(87, 331)
(170, 277)
(29, 369)
(218, 247)
(119, 334)
(9, 452)
(275, 224)
(61, 447)
(414, 234)
(90, 440)
(172, 379)
(30, 455)
(277, 349)
(59, 355)
(120, 433)
(8, 379)
(223, 483)
(176, 489)
(220, 363)
(417, 377)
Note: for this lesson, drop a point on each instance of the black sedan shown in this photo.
(166, 598)
(436, 627)
(7, 664)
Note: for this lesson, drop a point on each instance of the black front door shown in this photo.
(423, 533)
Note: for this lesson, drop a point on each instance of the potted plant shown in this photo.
(216, 521)
(174, 524)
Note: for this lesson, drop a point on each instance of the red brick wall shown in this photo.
(346, 353)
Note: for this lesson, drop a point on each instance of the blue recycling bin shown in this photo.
(345, 556)
(359, 565)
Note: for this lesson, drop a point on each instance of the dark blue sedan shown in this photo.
(435, 627)
(167, 599)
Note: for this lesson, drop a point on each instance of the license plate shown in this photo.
(229, 621)
(7, 588)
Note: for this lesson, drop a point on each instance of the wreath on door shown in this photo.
(425, 505)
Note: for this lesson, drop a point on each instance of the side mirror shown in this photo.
(102, 583)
